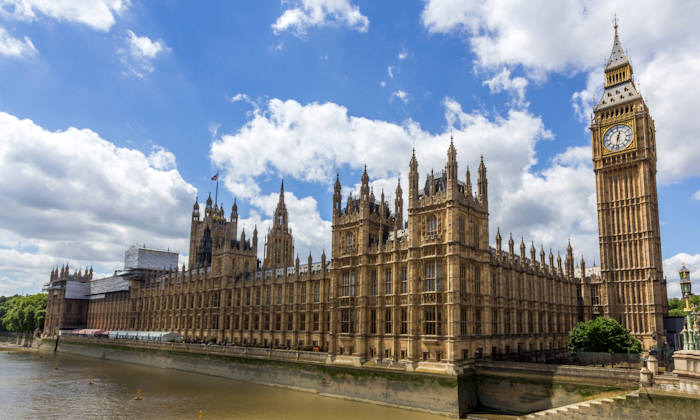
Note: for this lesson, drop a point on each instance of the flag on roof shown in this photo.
(215, 177)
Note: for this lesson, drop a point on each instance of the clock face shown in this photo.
(617, 138)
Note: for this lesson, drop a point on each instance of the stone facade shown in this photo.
(428, 293)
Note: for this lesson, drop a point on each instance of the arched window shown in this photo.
(432, 225)
(350, 239)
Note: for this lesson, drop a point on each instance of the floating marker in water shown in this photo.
(138, 395)
(55, 366)
(200, 414)
(90, 380)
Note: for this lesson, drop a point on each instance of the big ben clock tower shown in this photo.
(624, 161)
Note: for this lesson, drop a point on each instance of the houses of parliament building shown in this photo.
(426, 292)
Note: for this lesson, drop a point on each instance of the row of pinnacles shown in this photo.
(63, 274)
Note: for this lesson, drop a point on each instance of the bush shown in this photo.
(602, 335)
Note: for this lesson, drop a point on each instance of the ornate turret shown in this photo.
(468, 184)
(511, 246)
(398, 205)
(451, 167)
(364, 188)
(498, 240)
(337, 198)
(483, 183)
(279, 244)
(413, 181)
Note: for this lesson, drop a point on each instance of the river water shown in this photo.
(50, 386)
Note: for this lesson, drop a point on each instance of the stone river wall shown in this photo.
(510, 387)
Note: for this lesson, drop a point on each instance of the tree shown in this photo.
(23, 313)
(676, 305)
(602, 335)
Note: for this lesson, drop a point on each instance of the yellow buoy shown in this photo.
(90, 380)
(138, 395)
(200, 414)
(55, 366)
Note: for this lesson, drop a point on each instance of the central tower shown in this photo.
(624, 161)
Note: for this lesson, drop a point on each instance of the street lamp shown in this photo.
(685, 285)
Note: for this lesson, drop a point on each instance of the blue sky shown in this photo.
(115, 114)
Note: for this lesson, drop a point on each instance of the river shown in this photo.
(57, 386)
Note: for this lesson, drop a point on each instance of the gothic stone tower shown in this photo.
(279, 245)
(624, 161)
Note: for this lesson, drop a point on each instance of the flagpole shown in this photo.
(216, 195)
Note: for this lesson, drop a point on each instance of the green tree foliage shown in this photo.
(23, 313)
(602, 335)
(676, 305)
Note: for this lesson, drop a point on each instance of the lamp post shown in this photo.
(690, 330)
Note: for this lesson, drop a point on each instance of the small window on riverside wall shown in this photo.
(425, 355)
(465, 354)
(477, 322)
(278, 322)
(373, 283)
(267, 322)
(316, 323)
(290, 291)
(462, 230)
(290, 322)
(403, 354)
(303, 293)
(279, 294)
(302, 322)
(387, 353)
(246, 322)
(432, 225)
(373, 321)
(387, 321)
(317, 291)
(430, 321)
(463, 322)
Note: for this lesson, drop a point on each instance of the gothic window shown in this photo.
(256, 323)
(302, 322)
(316, 317)
(387, 321)
(280, 219)
(257, 296)
(462, 230)
(477, 322)
(477, 281)
(349, 283)
(303, 293)
(462, 278)
(290, 291)
(404, 321)
(317, 291)
(430, 276)
(346, 321)
(432, 225)
(387, 281)
(278, 322)
(595, 295)
(279, 295)
(494, 322)
(266, 324)
(404, 280)
(290, 322)
(463, 322)
(247, 297)
(350, 239)
(433, 320)
(373, 321)
(268, 295)
(373, 283)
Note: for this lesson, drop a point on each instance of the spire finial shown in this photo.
(615, 23)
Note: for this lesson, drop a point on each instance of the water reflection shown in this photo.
(30, 387)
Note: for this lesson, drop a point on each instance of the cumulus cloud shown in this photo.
(575, 36)
(302, 15)
(139, 53)
(390, 71)
(13, 47)
(671, 267)
(697, 195)
(73, 197)
(549, 206)
(97, 14)
(514, 85)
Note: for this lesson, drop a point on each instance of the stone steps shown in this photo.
(632, 405)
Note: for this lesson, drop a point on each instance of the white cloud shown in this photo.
(671, 267)
(13, 47)
(72, 196)
(97, 14)
(390, 71)
(161, 159)
(382, 83)
(402, 95)
(403, 54)
(697, 195)
(302, 15)
(575, 36)
(549, 206)
(140, 52)
(514, 85)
